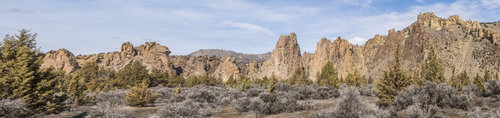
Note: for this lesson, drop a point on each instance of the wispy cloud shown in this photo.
(247, 26)
(240, 25)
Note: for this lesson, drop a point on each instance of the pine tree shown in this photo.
(355, 79)
(140, 95)
(479, 82)
(328, 76)
(132, 74)
(299, 77)
(431, 69)
(395, 79)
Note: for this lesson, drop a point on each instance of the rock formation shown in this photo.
(467, 45)
(226, 69)
(61, 59)
(151, 55)
(284, 59)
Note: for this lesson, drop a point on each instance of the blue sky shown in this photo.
(93, 26)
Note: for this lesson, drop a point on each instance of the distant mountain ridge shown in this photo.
(240, 57)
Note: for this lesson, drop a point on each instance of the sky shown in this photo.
(247, 26)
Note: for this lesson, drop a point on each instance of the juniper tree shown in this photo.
(158, 77)
(479, 82)
(140, 95)
(299, 77)
(132, 74)
(460, 81)
(431, 69)
(328, 76)
(355, 79)
(487, 76)
(21, 76)
(395, 79)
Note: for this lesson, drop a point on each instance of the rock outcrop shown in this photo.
(467, 45)
(226, 69)
(284, 59)
(151, 55)
(61, 59)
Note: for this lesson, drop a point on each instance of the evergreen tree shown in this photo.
(76, 90)
(132, 74)
(355, 79)
(158, 77)
(328, 76)
(431, 69)
(487, 76)
(21, 76)
(231, 82)
(460, 81)
(140, 95)
(395, 79)
(299, 77)
(479, 82)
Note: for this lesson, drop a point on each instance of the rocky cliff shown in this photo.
(61, 59)
(467, 45)
(284, 59)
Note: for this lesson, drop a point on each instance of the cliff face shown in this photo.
(284, 59)
(61, 59)
(150, 54)
(468, 46)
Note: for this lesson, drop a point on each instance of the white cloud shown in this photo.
(491, 4)
(247, 26)
(358, 40)
(420, 0)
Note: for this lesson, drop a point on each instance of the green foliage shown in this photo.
(132, 74)
(355, 79)
(395, 79)
(21, 76)
(487, 76)
(140, 95)
(158, 77)
(177, 90)
(479, 82)
(231, 82)
(431, 69)
(76, 90)
(328, 76)
(299, 77)
(199, 80)
(175, 80)
(460, 82)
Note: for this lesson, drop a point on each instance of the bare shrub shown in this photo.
(243, 105)
(252, 92)
(11, 108)
(202, 96)
(327, 93)
(431, 94)
(109, 105)
(276, 103)
(187, 108)
(351, 105)
(367, 90)
(416, 111)
(492, 88)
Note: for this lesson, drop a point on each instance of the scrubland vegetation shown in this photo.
(28, 91)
